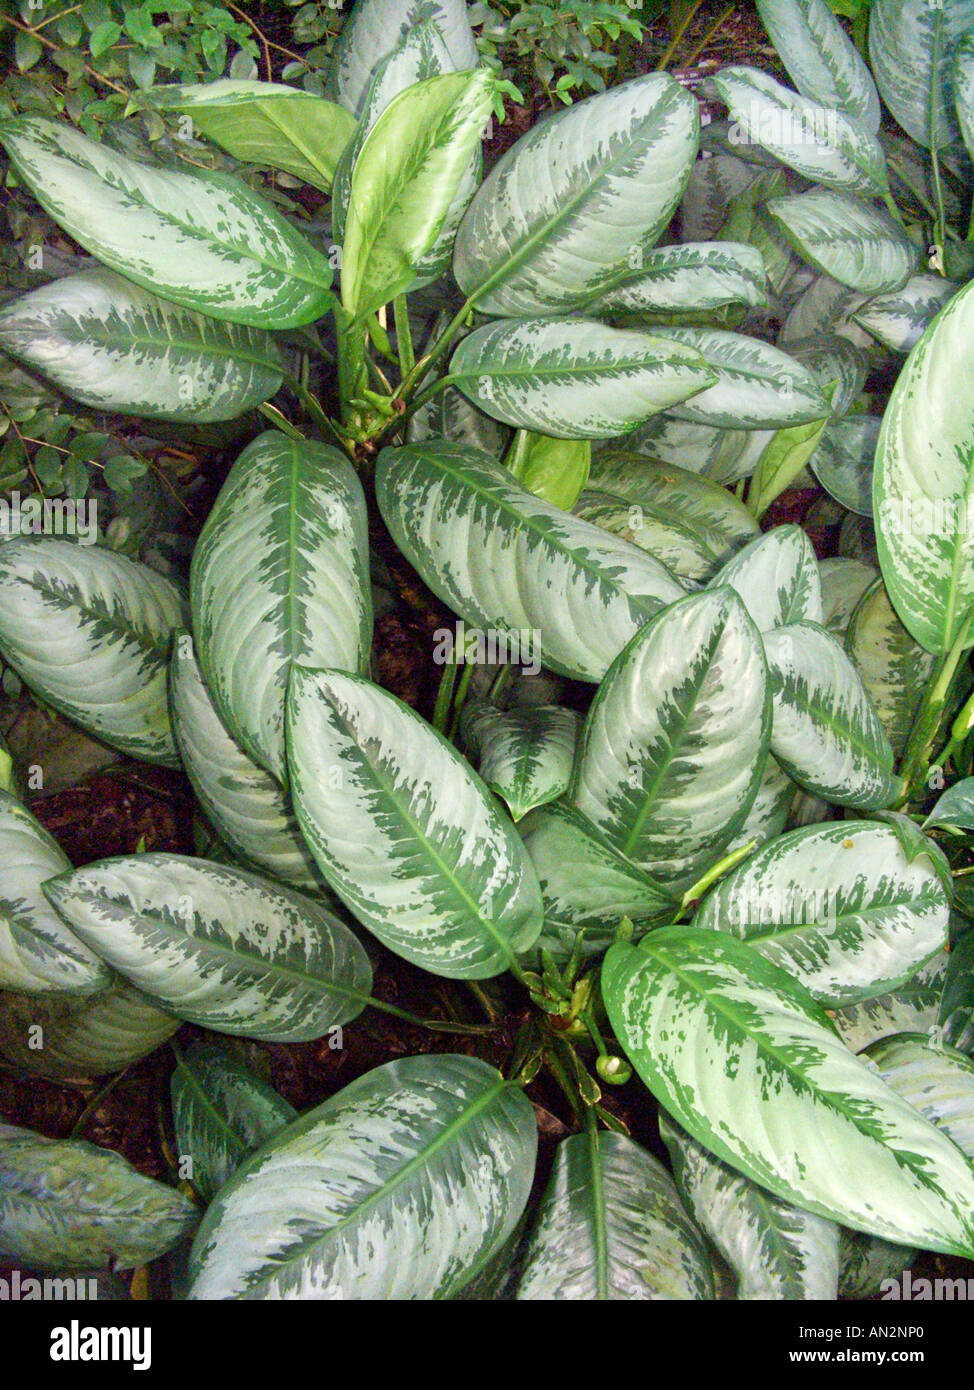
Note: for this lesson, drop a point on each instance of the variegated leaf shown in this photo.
(843, 461)
(587, 886)
(894, 668)
(514, 565)
(524, 755)
(82, 1037)
(713, 186)
(899, 320)
(775, 1250)
(266, 123)
(565, 214)
(865, 1262)
(826, 732)
(406, 1184)
(935, 1078)
(955, 1019)
(89, 631)
(405, 186)
(824, 307)
(421, 54)
(844, 582)
(849, 240)
(746, 1061)
(376, 27)
(821, 59)
(912, 1007)
(207, 242)
(776, 577)
(217, 946)
(118, 348)
(38, 954)
(769, 811)
(279, 577)
(244, 803)
(450, 416)
(673, 748)
(911, 45)
(835, 363)
(817, 141)
(575, 378)
(758, 386)
(922, 483)
(611, 1226)
(221, 1112)
(404, 832)
(65, 1204)
(838, 906)
(690, 275)
(689, 523)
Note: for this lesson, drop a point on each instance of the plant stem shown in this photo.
(709, 36)
(81, 1123)
(351, 360)
(442, 344)
(460, 698)
(717, 871)
(924, 729)
(435, 1025)
(678, 33)
(404, 336)
(280, 421)
(940, 234)
(444, 696)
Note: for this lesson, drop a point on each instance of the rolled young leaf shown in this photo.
(221, 1112)
(404, 831)
(825, 732)
(280, 576)
(575, 378)
(90, 631)
(566, 214)
(821, 59)
(675, 742)
(922, 483)
(520, 569)
(838, 906)
(266, 123)
(118, 348)
(751, 1067)
(243, 802)
(776, 1250)
(402, 1186)
(611, 1227)
(218, 946)
(38, 954)
(204, 241)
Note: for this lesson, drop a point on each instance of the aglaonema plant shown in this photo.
(716, 875)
